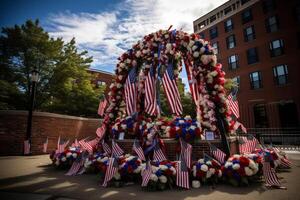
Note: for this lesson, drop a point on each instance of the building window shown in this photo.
(272, 24)
(260, 116)
(255, 80)
(233, 62)
(280, 73)
(246, 16)
(268, 5)
(230, 41)
(244, 1)
(228, 24)
(100, 83)
(276, 48)
(212, 18)
(213, 32)
(252, 56)
(215, 45)
(227, 10)
(249, 33)
(201, 35)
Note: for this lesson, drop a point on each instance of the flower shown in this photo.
(117, 176)
(236, 166)
(196, 184)
(204, 168)
(69, 154)
(153, 177)
(63, 159)
(163, 179)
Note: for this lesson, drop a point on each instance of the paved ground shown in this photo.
(33, 178)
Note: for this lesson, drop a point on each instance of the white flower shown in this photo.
(169, 46)
(149, 125)
(212, 170)
(74, 155)
(111, 115)
(138, 54)
(252, 164)
(248, 171)
(173, 170)
(117, 176)
(163, 179)
(158, 123)
(194, 47)
(153, 177)
(181, 121)
(163, 167)
(204, 168)
(228, 164)
(220, 173)
(57, 162)
(123, 126)
(193, 127)
(196, 184)
(128, 61)
(154, 169)
(63, 159)
(201, 160)
(137, 170)
(196, 54)
(236, 166)
(208, 162)
(104, 159)
(69, 154)
(208, 174)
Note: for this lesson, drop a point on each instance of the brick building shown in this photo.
(258, 43)
(101, 77)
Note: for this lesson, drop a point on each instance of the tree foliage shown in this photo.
(64, 85)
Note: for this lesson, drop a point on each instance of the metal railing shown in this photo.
(281, 137)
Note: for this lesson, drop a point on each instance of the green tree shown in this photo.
(64, 85)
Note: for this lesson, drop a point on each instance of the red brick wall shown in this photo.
(13, 131)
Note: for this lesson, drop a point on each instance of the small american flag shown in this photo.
(150, 93)
(218, 154)
(182, 178)
(62, 145)
(239, 125)
(106, 148)
(45, 146)
(233, 105)
(26, 147)
(111, 170)
(131, 92)
(285, 162)
(116, 149)
(101, 131)
(102, 106)
(85, 145)
(158, 154)
(171, 90)
(186, 152)
(247, 144)
(77, 165)
(146, 174)
(271, 179)
(75, 143)
(138, 150)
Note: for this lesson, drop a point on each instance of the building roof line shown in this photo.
(101, 71)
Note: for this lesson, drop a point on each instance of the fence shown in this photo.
(280, 137)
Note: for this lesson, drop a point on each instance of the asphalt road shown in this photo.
(32, 177)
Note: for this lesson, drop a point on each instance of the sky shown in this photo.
(108, 28)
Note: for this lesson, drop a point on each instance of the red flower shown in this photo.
(244, 161)
(241, 171)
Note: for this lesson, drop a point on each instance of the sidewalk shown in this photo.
(32, 177)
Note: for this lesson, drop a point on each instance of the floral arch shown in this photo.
(132, 106)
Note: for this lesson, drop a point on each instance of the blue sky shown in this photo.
(105, 28)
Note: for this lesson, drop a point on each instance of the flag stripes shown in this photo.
(146, 174)
(138, 150)
(233, 105)
(85, 145)
(131, 92)
(218, 154)
(182, 178)
(111, 170)
(76, 166)
(158, 154)
(247, 145)
(26, 147)
(62, 145)
(106, 148)
(45, 146)
(270, 176)
(101, 131)
(116, 149)
(186, 152)
(102, 106)
(150, 93)
(171, 90)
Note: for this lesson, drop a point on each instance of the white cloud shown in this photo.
(106, 35)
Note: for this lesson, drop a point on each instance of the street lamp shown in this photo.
(34, 79)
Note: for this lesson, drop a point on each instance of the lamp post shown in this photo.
(34, 80)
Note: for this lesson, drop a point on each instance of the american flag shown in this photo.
(138, 150)
(85, 145)
(158, 154)
(26, 147)
(77, 165)
(182, 178)
(116, 149)
(146, 174)
(150, 93)
(75, 143)
(247, 144)
(270, 176)
(106, 148)
(101, 131)
(186, 152)
(239, 125)
(131, 92)
(45, 146)
(102, 106)
(233, 105)
(62, 144)
(193, 85)
(111, 170)
(285, 162)
(218, 154)
(171, 90)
